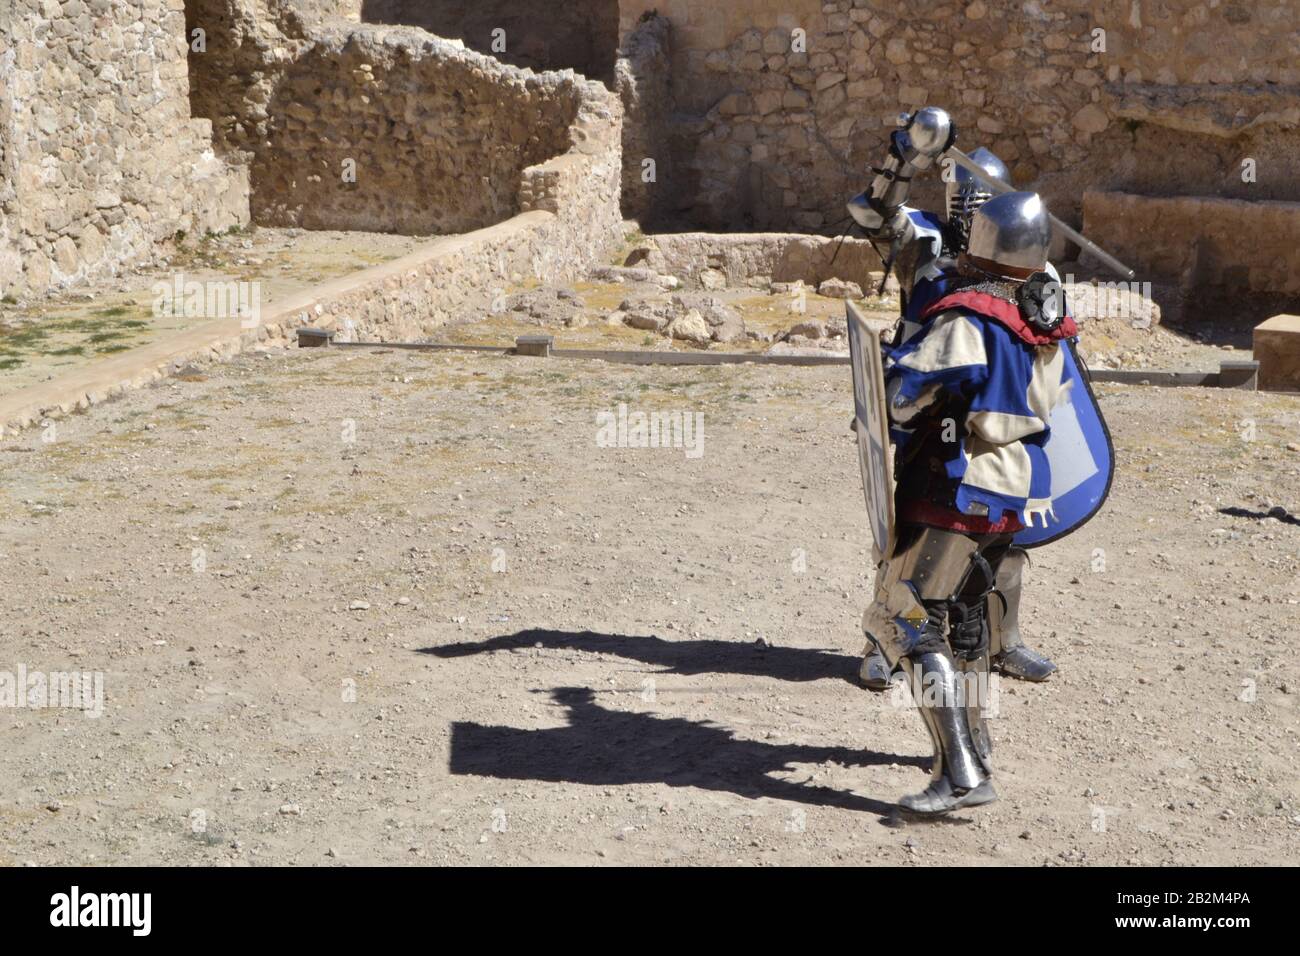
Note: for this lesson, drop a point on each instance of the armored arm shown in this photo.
(943, 363)
(906, 411)
(912, 149)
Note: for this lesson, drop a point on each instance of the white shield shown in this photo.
(872, 416)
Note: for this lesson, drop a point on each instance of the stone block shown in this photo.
(535, 345)
(1277, 349)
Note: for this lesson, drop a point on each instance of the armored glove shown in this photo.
(925, 137)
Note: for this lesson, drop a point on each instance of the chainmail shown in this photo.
(998, 288)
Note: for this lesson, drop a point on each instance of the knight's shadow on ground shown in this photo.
(704, 656)
(603, 747)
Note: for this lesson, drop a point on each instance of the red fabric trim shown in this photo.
(918, 511)
(1005, 312)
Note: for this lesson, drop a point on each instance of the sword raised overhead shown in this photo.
(996, 187)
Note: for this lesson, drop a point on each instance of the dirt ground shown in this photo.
(391, 607)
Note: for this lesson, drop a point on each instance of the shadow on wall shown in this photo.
(581, 35)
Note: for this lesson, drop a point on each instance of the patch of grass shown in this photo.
(27, 337)
(105, 329)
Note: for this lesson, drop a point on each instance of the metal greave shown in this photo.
(976, 676)
(1004, 614)
(938, 688)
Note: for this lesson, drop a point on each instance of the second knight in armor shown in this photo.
(923, 252)
(981, 360)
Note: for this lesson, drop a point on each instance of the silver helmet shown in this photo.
(966, 194)
(1010, 235)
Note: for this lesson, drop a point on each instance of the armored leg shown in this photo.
(1007, 648)
(968, 632)
(915, 590)
(874, 673)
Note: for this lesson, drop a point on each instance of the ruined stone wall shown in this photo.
(438, 135)
(101, 157)
(1171, 97)
(540, 34)
(1229, 245)
(643, 80)
(360, 126)
(11, 263)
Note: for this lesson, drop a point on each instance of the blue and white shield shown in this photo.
(1080, 456)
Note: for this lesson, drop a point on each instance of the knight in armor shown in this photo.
(980, 372)
(923, 254)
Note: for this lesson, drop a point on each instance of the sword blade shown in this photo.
(1082, 241)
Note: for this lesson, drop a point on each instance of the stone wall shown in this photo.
(756, 258)
(436, 135)
(1171, 97)
(392, 129)
(569, 218)
(101, 156)
(1230, 245)
(539, 34)
(643, 79)
(11, 262)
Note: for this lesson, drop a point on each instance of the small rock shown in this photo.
(712, 279)
(809, 330)
(840, 289)
(644, 320)
(690, 327)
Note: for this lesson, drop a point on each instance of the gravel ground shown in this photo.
(387, 607)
